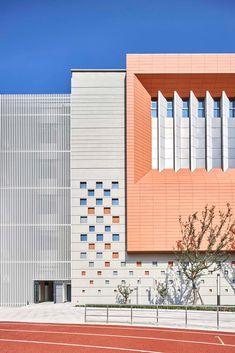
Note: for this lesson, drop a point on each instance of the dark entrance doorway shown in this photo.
(43, 291)
(68, 292)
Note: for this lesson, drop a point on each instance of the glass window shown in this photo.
(99, 255)
(123, 264)
(115, 202)
(170, 109)
(83, 237)
(154, 263)
(99, 237)
(154, 112)
(107, 281)
(91, 264)
(82, 185)
(106, 192)
(115, 273)
(99, 202)
(115, 184)
(99, 219)
(201, 108)
(185, 111)
(99, 185)
(91, 192)
(108, 228)
(83, 202)
(83, 219)
(216, 108)
(83, 255)
(91, 228)
(115, 237)
(232, 109)
(131, 273)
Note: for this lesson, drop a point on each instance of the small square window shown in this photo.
(115, 237)
(115, 185)
(162, 272)
(131, 273)
(91, 210)
(107, 246)
(201, 108)
(82, 185)
(83, 237)
(91, 246)
(83, 291)
(106, 192)
(99, 185)
(99, 219)
(217, 108)
(83, 202)
(154, 263)
(115, 219)
(115, 202)
(146, 273)
(185, 110)
(83, 255)
(99, 255)
(138, 263)
(99, 202)
(107, 228)
(99, 291)
(107, 281)
(91, 281)
(99, 237)
(107, 210)
(91, 264)
(123, 281)
(232, 109)
(91, 229)
(99, 273)
(115, 255)
(170, 112)
(83, 219)
(83, 273)
(115, 273)
(91, 192)
(123, 264)
(170, 264)
(107, 264)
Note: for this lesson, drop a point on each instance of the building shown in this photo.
(92, 183)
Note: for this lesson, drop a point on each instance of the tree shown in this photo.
(125, 291)
(205, 244)
(162, 291)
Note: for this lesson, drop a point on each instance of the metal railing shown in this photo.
(207, 317)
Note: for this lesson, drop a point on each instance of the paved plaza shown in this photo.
(67, 313)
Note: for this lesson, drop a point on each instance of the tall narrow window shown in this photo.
(216, 108)
(232, 109)
(170, 109)
(154, 109)
(201, 108)
(185, 110)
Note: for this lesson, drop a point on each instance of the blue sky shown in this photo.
(41, 40)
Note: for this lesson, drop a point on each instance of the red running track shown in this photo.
(18, 337)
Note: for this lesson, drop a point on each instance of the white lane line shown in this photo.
(79, 345)
(119, 336)
(118, 327)
(221, 341)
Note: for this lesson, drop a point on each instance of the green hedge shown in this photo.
(171, 307)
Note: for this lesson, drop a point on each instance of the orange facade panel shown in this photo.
(156, 199)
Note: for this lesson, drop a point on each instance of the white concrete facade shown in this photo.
(193, 142)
